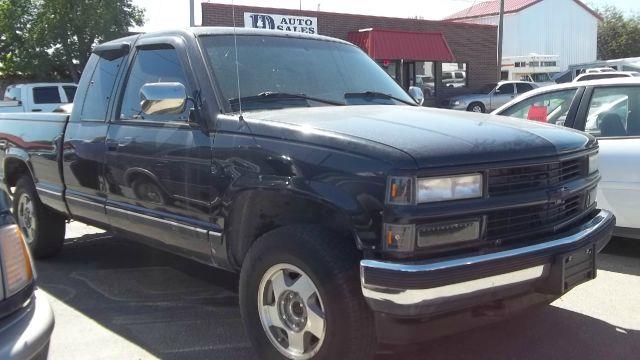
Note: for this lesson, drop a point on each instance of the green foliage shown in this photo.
(618, 34)
(52, 39)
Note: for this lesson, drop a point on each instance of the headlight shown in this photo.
(16, 262)
(449, 188)
(450, 233)
(593, 163)
(458, 102)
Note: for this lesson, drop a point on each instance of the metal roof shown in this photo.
(385, 44)
(492, 7)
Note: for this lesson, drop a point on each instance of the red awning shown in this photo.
(398, 45)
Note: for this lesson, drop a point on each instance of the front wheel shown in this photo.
(476, 107)
(300, 297)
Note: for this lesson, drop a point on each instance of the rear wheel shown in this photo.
(42, 228)
(477, 107)
(300, 297)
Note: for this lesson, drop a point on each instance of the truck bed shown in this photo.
(33, 140)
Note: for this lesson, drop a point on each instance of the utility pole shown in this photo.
(192, 13)
(300, 4)
(500, 32)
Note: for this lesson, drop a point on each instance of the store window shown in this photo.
(454, 75)
(425, 78)
(391, 68)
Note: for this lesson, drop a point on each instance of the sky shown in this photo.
(165, 14)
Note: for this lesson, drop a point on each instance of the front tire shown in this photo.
(300, 297)
(42, 228)
(476, 107)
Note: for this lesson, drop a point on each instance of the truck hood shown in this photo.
(435, 137)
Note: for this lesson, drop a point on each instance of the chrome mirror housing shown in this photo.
(168, 98)
(417, 94)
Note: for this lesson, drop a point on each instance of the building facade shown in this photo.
(443, 58)
(565, 28)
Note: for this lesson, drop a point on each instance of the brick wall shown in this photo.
(470, 43)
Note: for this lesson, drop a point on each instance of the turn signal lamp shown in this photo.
(17, 269)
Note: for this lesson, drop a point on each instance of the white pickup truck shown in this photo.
(41, 97)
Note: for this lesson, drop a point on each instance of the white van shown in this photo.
(41, 97)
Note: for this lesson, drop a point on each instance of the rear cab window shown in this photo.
(46, 95)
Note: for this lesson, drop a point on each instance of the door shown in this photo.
(501, 95)
(408, 74)
(158, 167)
(613, 116)
(84, 141)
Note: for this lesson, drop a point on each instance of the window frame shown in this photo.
(583, 111)
(176, 44)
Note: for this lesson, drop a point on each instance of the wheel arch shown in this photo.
(14, 167)
(255, 212)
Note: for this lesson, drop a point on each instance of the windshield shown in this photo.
(541, 77)
(317, 69)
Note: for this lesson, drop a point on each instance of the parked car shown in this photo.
(26, 320)
(42, 97)
(491, 97)
(609, 110)
(351, 213)
(606, 75)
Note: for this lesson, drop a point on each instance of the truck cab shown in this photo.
(40, 97)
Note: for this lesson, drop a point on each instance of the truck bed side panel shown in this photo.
(33, 140)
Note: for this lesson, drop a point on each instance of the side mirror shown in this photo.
(417, 94)
(168, 98)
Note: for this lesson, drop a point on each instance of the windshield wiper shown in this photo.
(273, 95)
(377, 94)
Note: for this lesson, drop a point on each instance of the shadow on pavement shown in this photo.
(626, 253)
(175, 308)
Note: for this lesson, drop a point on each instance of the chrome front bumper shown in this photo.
(431, 287)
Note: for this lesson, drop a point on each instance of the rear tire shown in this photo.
(476, 107)
(42, 228)
(329, 266)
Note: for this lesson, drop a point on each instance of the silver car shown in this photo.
(491, 97)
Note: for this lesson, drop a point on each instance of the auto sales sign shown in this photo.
(301, 24)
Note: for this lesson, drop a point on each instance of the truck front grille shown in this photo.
(512, 223)
(510, 180)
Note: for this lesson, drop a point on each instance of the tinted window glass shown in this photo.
(505, 89)
(614, 112)
(46, 95)
(319, 69)
(523, 88)
(99, 91)
(70, 91)
(550, 107)
(151, 66)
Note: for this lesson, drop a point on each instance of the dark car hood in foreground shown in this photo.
(434, 137)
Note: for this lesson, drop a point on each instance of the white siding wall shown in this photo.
(551, 27)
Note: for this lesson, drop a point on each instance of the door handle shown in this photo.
(36, 110)
(112, 145)
(115, 145)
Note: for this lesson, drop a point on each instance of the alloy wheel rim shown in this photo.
(477, 109)
(27, 217)
(291, 311)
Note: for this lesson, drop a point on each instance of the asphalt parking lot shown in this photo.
(115, 299)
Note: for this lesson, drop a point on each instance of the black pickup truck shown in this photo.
(350, 212)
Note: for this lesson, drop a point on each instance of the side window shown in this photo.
(549, 107)
(614, 112)
(70, 91)
(13, 94)
(522, 88)
(96, 100)
(151, 66)
(46, 95)
(505, 89)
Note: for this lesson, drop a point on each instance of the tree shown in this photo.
(618, 35)
(48, 39)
